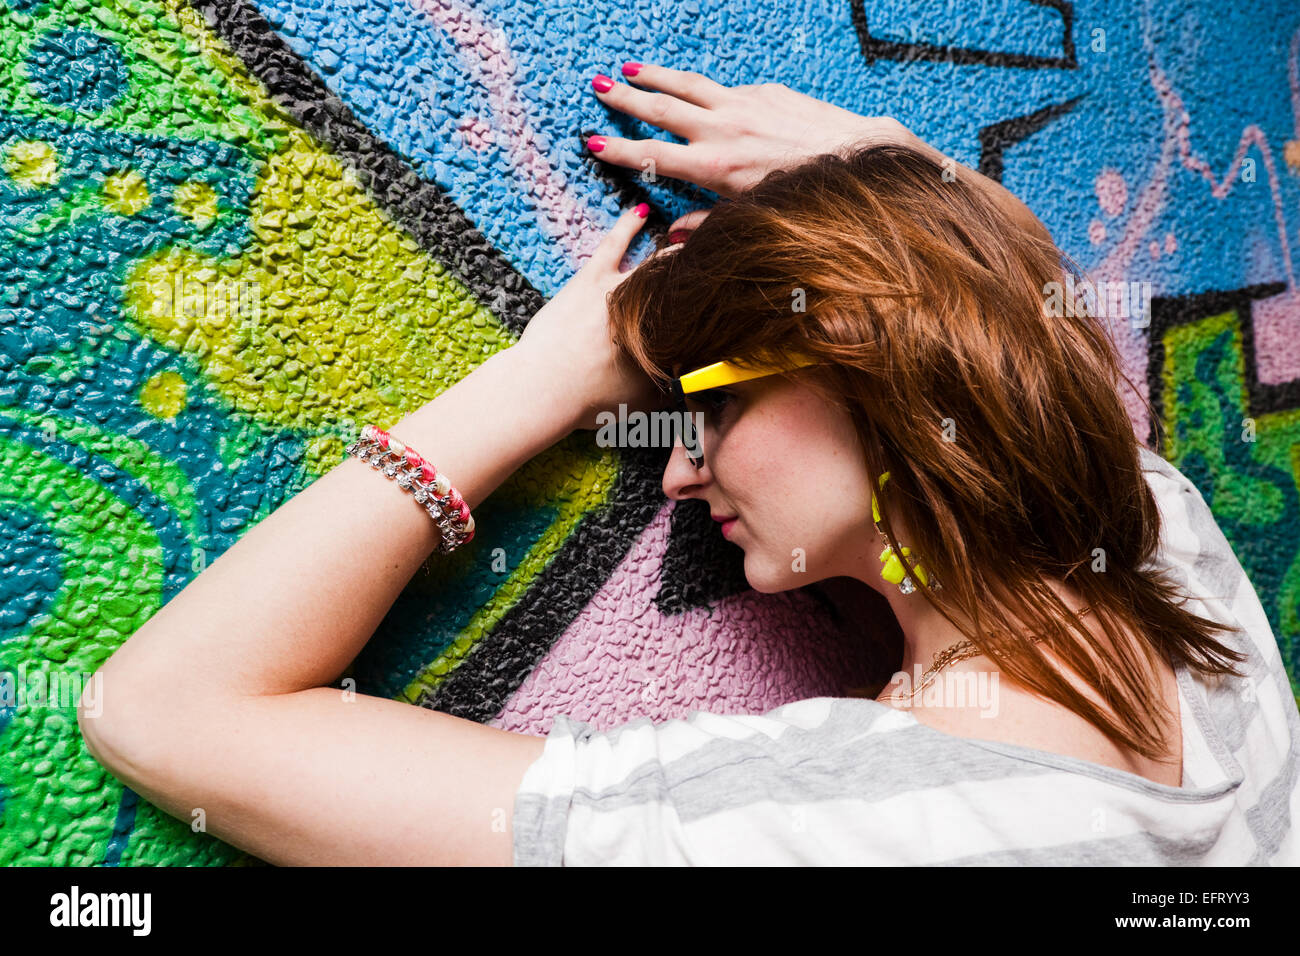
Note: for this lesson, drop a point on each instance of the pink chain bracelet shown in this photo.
(431, 488)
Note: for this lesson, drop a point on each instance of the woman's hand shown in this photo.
(736, 135)
(569, 337)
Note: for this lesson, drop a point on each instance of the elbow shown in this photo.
(126, 710)
(121, 726)
(147, 732)
(103, 728)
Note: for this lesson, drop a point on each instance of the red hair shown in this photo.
(1011, 455)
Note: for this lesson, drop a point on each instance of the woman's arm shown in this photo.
(737, 135)
(218, 702)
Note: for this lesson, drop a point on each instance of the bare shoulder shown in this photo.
(1015, 715)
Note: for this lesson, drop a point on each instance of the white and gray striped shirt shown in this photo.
(842, 781)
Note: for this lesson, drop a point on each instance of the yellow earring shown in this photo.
(892, 569)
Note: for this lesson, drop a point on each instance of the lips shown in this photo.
(728, 522)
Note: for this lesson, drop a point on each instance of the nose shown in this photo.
(681, 478)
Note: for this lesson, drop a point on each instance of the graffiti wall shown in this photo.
(234, 231)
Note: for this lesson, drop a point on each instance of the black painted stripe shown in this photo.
(996, 138)
(420, 206)
(480, 686)
(874, 48)
(1168, 312)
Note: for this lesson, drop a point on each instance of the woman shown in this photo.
(932, 431)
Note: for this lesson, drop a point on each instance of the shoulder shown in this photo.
(1260, 706)
(695, 789)
(680, 749)
(1192, 545)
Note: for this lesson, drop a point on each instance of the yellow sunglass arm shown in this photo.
(728, 373)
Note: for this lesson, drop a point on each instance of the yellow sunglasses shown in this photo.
(717, 375)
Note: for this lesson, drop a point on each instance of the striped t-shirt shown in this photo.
(833, 781)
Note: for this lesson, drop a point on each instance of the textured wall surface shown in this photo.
(233, 230)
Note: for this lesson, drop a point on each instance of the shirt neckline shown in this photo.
(1214, 755)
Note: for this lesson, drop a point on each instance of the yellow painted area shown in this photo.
(333, 315)
(323, 452)
(164, 395)
(577, 477)
(32, 163)
(197, 202)
(125, 192)
(1291, 152)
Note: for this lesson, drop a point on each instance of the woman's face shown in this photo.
(789, 468)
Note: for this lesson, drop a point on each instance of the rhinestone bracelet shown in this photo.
(431, 488)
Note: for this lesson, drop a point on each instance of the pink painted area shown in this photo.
(1133, 344)
(1150, 198)
(486, 54)
(476, 133)
(1112, 191)
(1096, 232)
(622, 659)
(1277, 342)
(1155, 249)
(1252, 135)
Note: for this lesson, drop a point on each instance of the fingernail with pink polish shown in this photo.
(602, 83)
(642, 210)
(596, 143)
(631, 69)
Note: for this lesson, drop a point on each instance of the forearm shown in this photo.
(292, 602)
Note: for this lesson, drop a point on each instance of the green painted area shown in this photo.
(112, 576)
(325, 315)
(1246, 468)
(173, 88)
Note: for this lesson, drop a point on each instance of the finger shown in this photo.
(609, 253)
(659, 109)
(685, 85)
(654, 157)
(666, 249)
(689, 222)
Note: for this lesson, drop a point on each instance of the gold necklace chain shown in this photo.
(950, 655)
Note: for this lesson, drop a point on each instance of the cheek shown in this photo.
(800, 481)
(810, 455)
